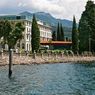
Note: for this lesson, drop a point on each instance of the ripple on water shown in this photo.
(49, 79)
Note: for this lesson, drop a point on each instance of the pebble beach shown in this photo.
(27, 60)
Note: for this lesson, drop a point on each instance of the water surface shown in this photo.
(49, 79)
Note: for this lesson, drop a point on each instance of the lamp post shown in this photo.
(10, 63)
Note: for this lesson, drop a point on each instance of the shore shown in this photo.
(26, 60)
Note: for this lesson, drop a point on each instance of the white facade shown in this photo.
(27, 36)
(45, 34)
(25, 43)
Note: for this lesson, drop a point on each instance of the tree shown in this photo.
(11, 32)
(74, 36)
(1, 28)
(5, 30)
(58, 32)
(54, 36)
(35, 41)
(91, 23)
(87, 28)
(15, 35)
(67, 39)
(62, 33)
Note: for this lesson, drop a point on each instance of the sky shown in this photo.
(62, 9)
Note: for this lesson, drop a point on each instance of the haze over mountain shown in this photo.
(48, 18)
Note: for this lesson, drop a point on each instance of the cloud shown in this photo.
(22, 4)
(64, 9)
(60, 8)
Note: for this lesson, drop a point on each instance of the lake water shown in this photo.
(49, 79)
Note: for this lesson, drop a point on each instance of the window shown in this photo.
(30, 38)
(27, 29)
(23, 46)
(18, 17)
(27, 22)
(27, 37)
(27, 47)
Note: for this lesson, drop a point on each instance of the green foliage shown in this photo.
(74, 37)
(60, 32)
(11, 32)
(1, 28)
(91, 22)
(57, 51)
(5, 29)
(35, 35)
(67, 39)
(87, 27)
(16, 34)
(54, 36)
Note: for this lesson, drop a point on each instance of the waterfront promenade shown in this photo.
(44, 59)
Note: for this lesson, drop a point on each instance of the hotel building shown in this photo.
(25, 43)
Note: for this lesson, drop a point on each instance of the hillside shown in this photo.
(48, 18)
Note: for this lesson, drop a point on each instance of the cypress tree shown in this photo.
(74, 36)
(54, 36)
(87, 28)
(35, 41)
(91, 22)
(62, 33)
(66, 39)
(58, 32)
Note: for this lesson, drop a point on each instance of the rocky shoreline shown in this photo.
(27, 60)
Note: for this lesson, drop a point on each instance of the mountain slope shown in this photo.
(51, 20)
(47, 18)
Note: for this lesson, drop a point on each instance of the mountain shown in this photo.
(48, 18)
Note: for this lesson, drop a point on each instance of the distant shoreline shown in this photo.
(28, 60)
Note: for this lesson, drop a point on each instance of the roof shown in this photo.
(56, 43)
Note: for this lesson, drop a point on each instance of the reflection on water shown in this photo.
(49, 79)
